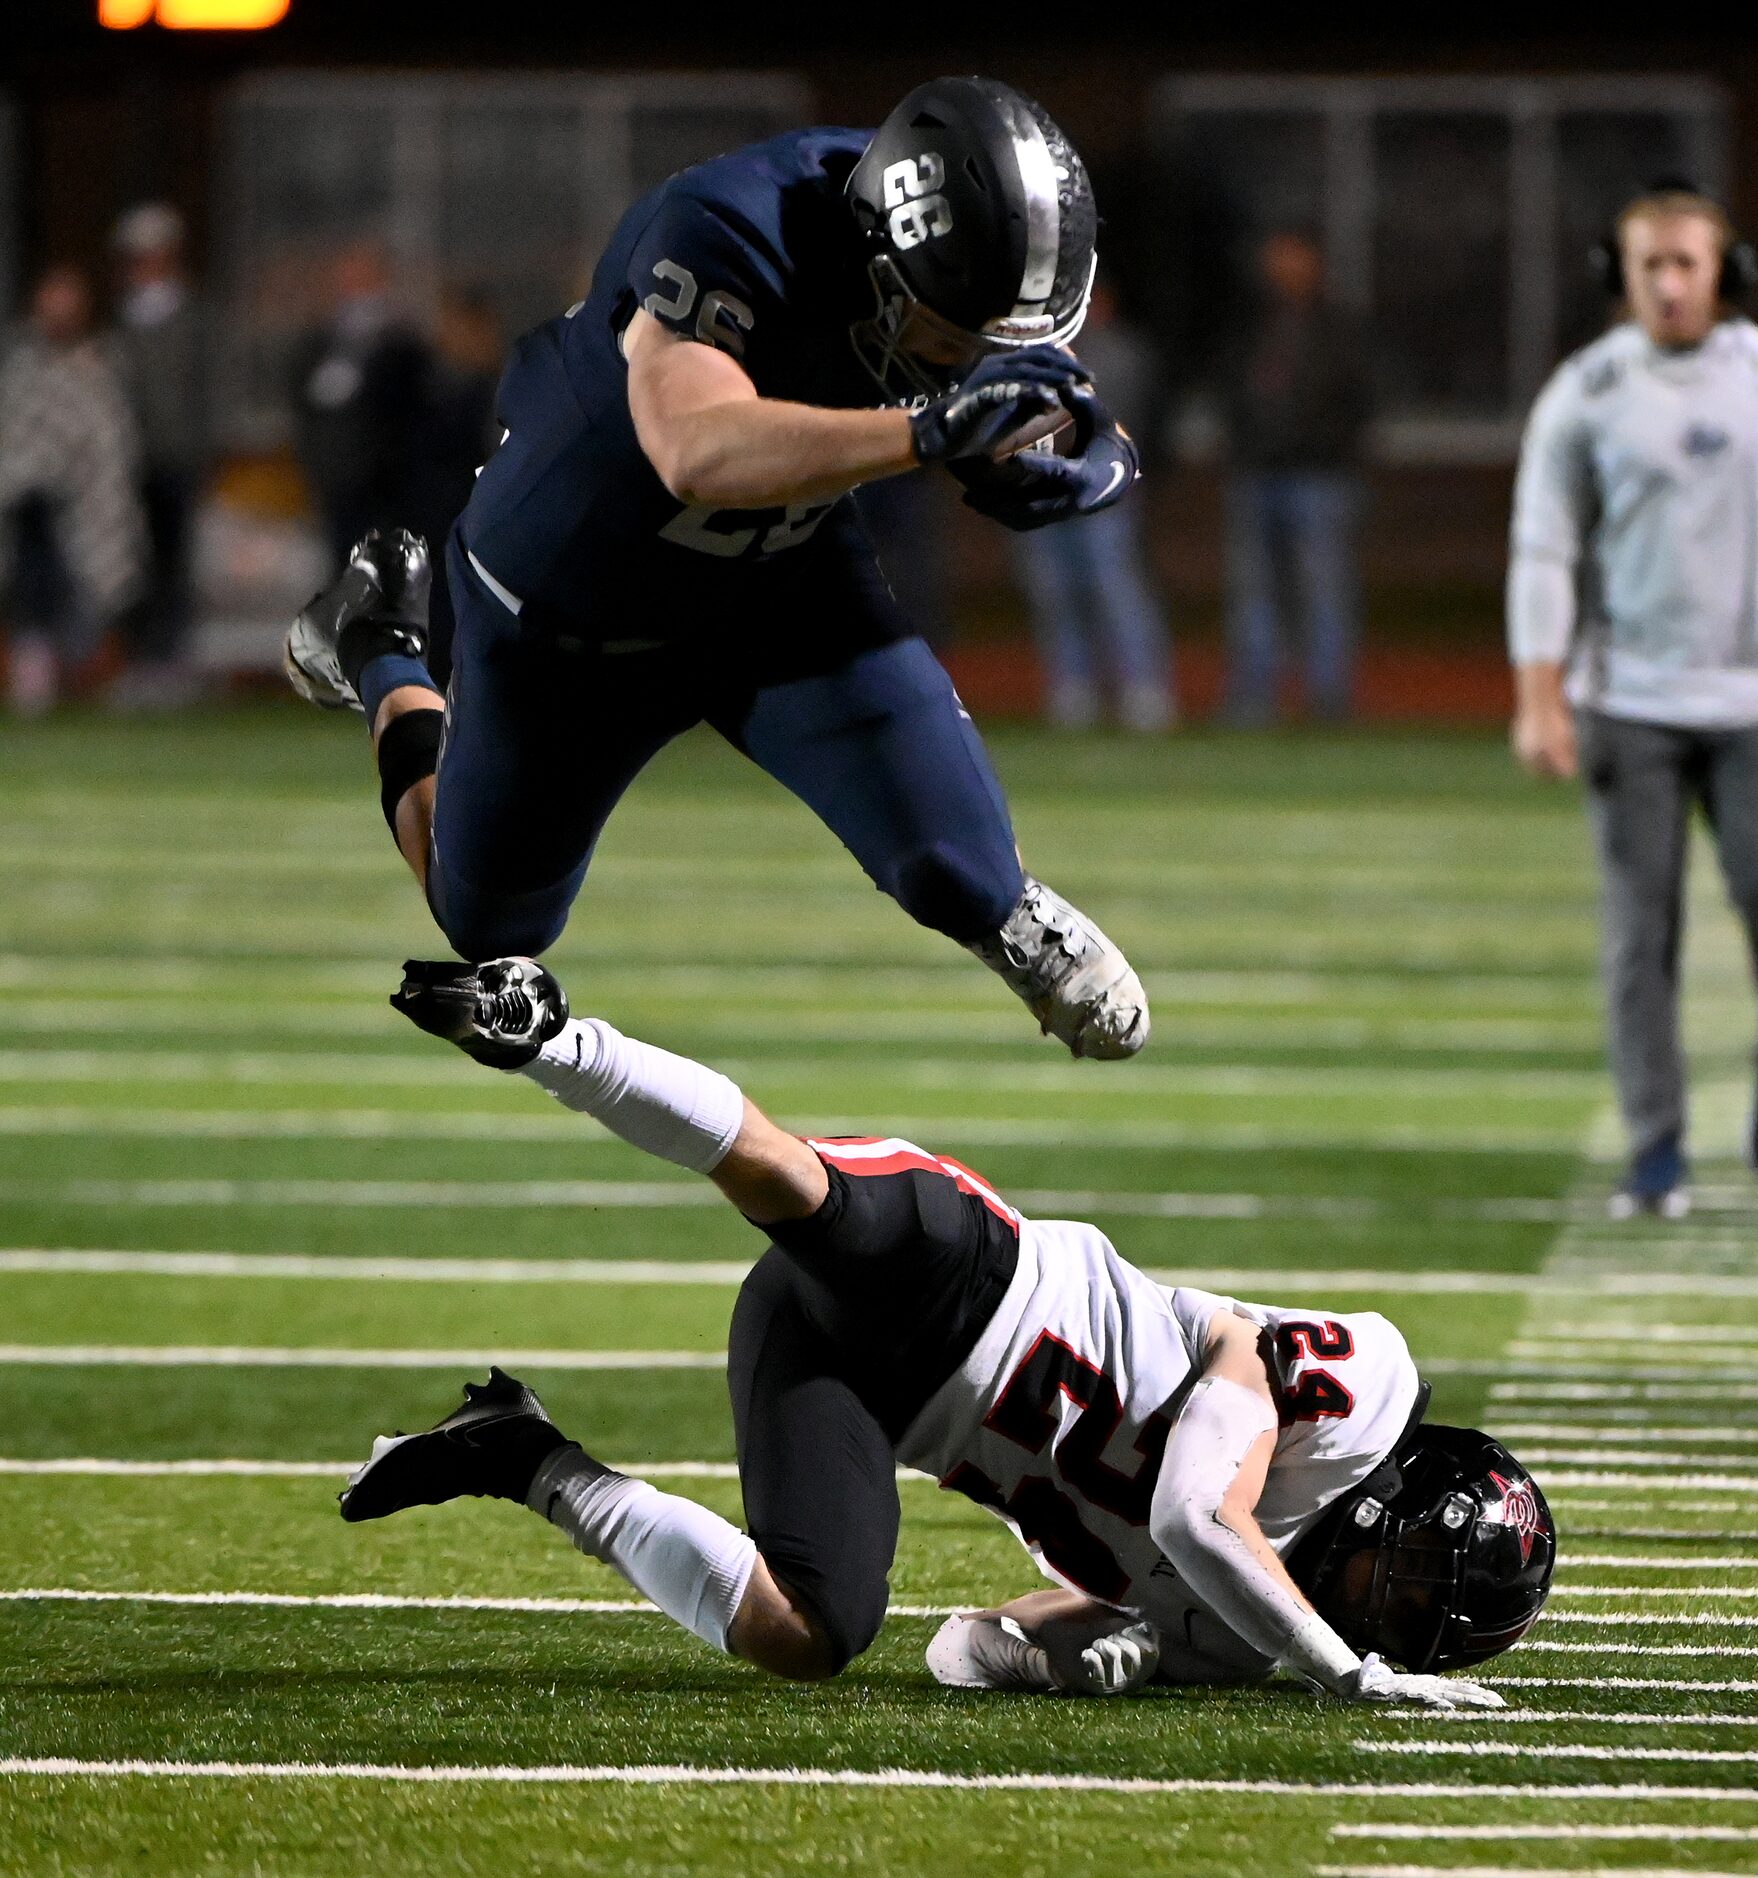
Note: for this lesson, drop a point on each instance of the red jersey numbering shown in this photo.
(885, 1154)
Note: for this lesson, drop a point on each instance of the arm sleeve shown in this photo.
(1553, 511)
(1214, 1432)
(668, 1105)
(700, 277)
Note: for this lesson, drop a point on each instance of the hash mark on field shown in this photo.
(858, 1777)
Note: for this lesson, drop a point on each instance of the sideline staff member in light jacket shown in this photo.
(1633, 626)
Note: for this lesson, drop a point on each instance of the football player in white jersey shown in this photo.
(1221, 1490)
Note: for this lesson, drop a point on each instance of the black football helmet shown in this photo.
(980, 226)
(1440, 1559)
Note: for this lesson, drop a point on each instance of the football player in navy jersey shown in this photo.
(664, 536)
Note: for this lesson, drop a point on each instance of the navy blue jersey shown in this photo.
(754, 253)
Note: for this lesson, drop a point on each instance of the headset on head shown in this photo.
(1739, 261)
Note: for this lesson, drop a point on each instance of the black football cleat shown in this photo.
(502, 1012)
(378, 603)
(492, 1448)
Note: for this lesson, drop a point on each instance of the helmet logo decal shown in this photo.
(1519, 1509)
(918, 211)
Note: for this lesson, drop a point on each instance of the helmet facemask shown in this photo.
(1441, 1560)
(913, 352)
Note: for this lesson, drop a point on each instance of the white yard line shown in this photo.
(96, 1466)
(1626, 1561)
(541, 1125)
(1565, 1482)
(200, 1355)
(1605, 1403)
(1621, 1620)
(1513, 1871)
(1720, 1651)
(1559, 1751)
(1655, 1591)
(941, 1070)
(1734, 1535)
(1670, 1685)
(1728, 1835)
(1568, 1718)
(886, 1777)
(1567, 1469)
(1234, 1279)
(1607, 1432)
(469, 1271)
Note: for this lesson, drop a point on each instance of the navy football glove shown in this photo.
(1036, 488)
(1001, 394)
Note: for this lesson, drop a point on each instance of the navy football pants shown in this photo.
(543, 737)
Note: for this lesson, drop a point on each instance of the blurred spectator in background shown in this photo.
(1098, 623)
(1296, 402)
(160, 342)
(72, 534)
(454, 433)
(357, 387)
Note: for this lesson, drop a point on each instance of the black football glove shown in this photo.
(1035, 488)
(1001, 394)
(501, 1013)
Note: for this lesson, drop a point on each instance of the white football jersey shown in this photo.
(1058, 1419)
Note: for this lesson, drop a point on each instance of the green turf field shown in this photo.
(248, 1219)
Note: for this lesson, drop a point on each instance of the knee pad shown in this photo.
(408, 753)
(956, 890)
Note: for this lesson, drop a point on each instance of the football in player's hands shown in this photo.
(1378, 1681)
(1036, 433)
(1004, 401)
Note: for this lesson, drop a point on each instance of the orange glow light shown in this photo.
(236, 16)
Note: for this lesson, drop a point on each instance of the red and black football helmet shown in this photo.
(1441, 1558)
(979, 224)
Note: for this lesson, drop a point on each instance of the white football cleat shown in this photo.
(1074, 981)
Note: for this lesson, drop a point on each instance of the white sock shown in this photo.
(687, 1560)
(675, 1108)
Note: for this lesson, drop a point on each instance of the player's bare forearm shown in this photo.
(770, 1175)
(415, 811)
(715, 443)
(1538, 684)
(1543, 734)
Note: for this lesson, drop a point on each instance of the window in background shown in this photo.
(1454, 213)
(509, 183)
